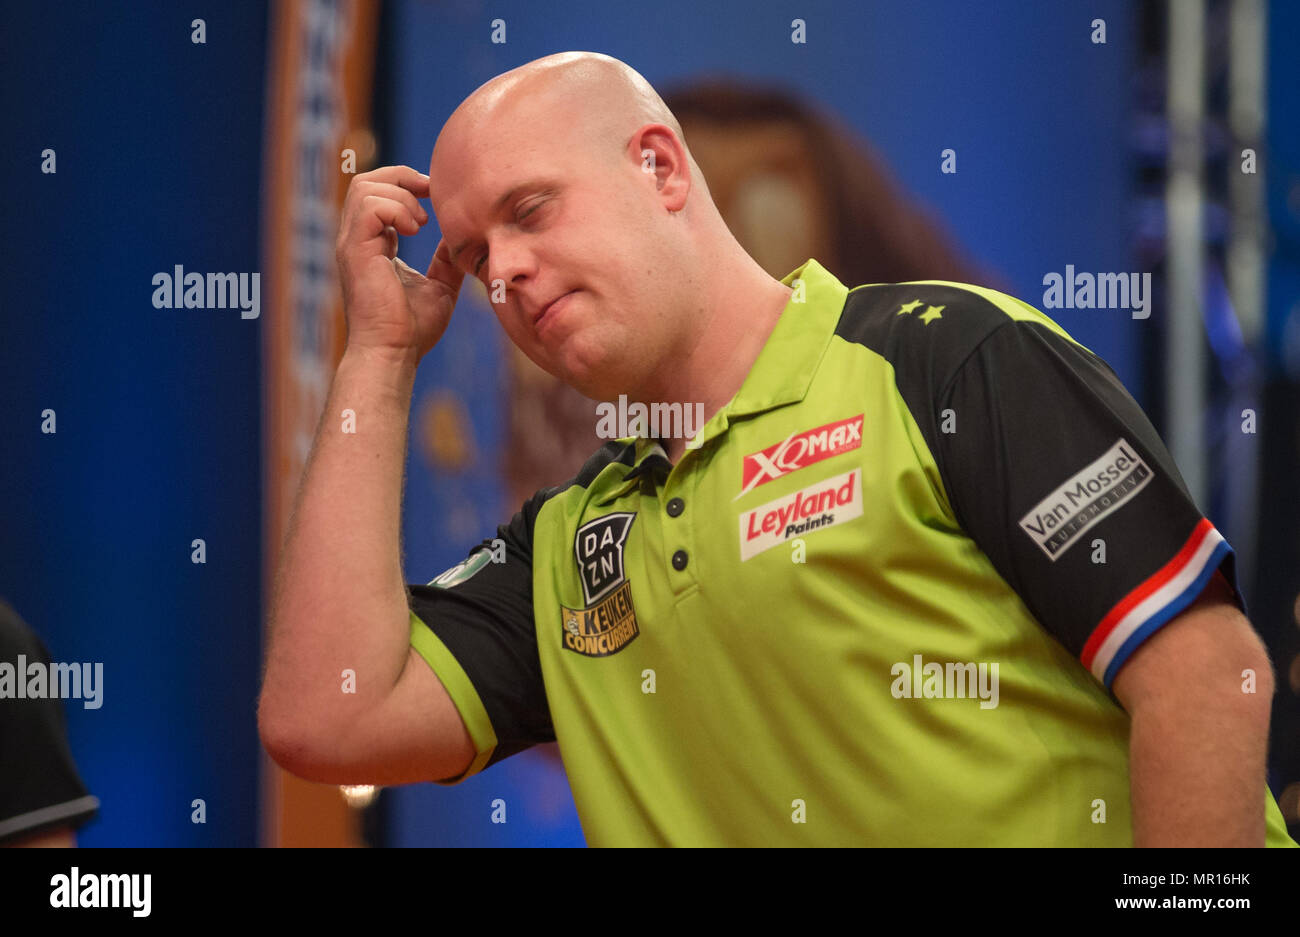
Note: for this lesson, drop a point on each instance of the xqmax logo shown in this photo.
(800, 450)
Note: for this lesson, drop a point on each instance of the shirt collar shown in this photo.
(649, 458)
(786, 365)
(782, 372)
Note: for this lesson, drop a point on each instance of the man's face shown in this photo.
(537, 215)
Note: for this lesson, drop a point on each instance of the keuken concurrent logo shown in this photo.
(608, 622)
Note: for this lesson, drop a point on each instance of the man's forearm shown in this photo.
(1197, 767)
(339, 601)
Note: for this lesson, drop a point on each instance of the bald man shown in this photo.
(740, 634)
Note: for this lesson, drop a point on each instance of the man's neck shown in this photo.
(716, 366)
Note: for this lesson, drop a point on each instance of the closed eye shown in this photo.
(478, 266)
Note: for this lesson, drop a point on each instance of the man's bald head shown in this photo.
(597, 99)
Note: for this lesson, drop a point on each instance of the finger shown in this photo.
(397, 194)
(404, 176)
(442, 269)
(390, 242)
(407, 273)
(377, 212)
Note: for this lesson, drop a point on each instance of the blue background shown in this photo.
(158, 144)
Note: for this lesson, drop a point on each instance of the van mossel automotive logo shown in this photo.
(800, 450)
(1100, 487)
(824, 504)
(608, 622)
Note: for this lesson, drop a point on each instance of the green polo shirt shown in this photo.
(880, 600)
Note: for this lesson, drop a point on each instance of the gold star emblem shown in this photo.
(931, 313)
(908, 307)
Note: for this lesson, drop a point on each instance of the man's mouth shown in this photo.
(547, 312)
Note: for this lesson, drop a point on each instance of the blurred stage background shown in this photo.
(177, 424)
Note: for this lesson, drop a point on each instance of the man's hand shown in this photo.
(1199, 740)
(390, 307)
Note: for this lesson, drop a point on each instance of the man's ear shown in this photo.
(661, 154)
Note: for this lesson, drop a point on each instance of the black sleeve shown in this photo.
(40, 789)
(1059, 477)
(482, 612)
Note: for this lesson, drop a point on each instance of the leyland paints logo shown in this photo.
(1100, 487)
(608, 622)
(824, 504)
(800, 450)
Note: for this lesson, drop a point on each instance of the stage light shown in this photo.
(359, 795)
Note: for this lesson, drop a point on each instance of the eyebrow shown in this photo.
(532, 183)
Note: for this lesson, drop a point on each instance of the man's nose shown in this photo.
(510, 262)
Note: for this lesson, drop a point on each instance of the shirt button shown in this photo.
(675, 507)
(679, 560)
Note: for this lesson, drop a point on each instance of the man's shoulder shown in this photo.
(614, 452)
(933, 310)
(933, 325)
(522, 525)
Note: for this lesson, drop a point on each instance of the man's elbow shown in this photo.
(289, 742)
(285, 744)
(311, 750)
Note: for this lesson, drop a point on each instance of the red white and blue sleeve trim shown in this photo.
(1166, 593)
